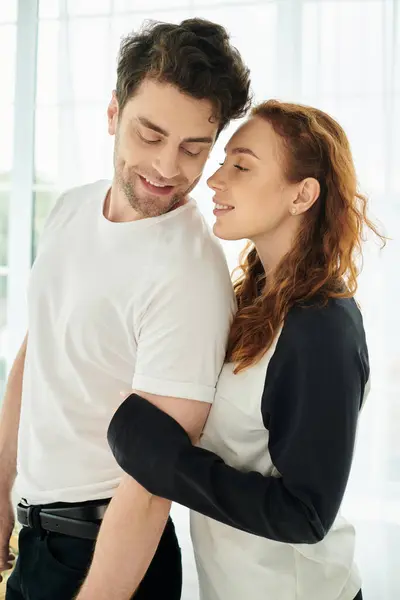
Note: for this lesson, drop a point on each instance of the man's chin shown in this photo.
(152, 205)
(157, 206)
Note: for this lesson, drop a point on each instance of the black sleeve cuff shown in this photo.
(146, 442)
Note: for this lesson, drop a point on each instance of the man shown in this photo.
(129, 290)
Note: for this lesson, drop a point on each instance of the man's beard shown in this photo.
(147, 205)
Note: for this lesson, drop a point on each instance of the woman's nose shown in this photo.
(216, 182)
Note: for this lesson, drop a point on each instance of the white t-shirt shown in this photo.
(113, 306)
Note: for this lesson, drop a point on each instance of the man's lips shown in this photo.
(156, 188)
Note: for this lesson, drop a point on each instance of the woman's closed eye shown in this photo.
(239, 167)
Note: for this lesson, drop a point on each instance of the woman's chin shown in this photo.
(225, 233)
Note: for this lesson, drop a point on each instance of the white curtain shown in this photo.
(341, 56)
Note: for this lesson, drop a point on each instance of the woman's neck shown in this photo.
(273, 247)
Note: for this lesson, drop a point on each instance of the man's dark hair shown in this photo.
(196, 56)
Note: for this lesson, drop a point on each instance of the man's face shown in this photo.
(162, 140)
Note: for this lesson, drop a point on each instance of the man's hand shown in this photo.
(127, 541)
(120, 561)
(7, 521)
(9, 425)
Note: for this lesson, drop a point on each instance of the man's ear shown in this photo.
(112, 114)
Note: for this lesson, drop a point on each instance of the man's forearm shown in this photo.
(9, 422)
(127, 541)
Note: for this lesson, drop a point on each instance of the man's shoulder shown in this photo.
(191, 248)
(86, 192)
(72, 198)
(70, 203)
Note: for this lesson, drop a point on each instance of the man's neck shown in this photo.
(117, 209)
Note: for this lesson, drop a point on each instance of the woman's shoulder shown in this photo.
(321, 351)
(338, 321)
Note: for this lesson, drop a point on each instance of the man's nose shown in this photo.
(166, 163)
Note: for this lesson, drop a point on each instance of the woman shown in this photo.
(266, 482)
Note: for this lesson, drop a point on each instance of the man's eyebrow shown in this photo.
(200, 140)
(152, 126)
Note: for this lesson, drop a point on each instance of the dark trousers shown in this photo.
(52, 566)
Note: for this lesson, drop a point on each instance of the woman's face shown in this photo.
(252, 196)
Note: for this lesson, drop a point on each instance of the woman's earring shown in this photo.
(293, 211)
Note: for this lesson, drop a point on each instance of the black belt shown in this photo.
(77, 520)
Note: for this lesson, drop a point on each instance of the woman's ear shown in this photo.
(308, 194)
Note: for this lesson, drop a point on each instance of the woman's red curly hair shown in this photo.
(324, 260)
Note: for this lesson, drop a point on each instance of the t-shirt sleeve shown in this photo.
(52, 219)
(182, 334)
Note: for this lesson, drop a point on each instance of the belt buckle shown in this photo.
(29, 519)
